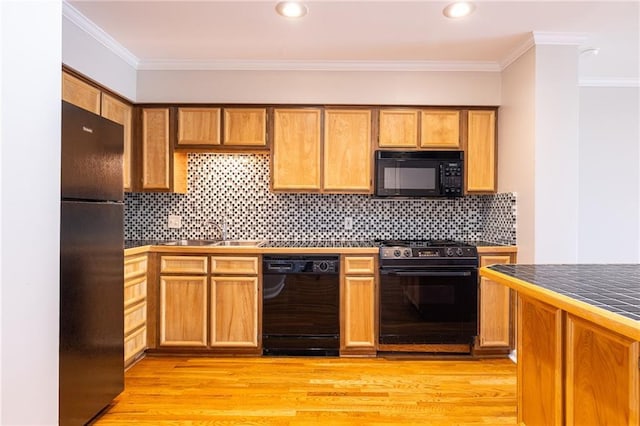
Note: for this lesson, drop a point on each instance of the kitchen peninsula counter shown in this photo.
(578, 342)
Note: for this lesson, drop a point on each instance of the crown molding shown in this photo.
(310, 65)
(559, 39)
(611, 82)
(544, 39)
(520, 50)
(72, 14)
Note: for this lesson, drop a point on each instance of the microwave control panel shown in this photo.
(451, 178)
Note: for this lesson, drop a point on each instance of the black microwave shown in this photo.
(419, 174)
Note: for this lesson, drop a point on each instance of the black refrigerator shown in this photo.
(91, 265)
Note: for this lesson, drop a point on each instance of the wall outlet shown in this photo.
(348, 223)
(174, 222)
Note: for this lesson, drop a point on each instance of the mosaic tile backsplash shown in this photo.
(235, 188)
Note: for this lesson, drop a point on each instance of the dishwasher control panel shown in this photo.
(301, 265)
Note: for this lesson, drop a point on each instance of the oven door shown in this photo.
(437, 305)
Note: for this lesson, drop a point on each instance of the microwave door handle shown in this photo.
(431, 273)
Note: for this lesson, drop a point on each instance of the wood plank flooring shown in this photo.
(313, 391)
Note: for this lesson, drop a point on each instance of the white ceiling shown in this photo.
(366, 34)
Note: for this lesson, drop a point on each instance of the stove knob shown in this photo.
(397, 253)
(459, 252)
(450, 251)
(407, 252)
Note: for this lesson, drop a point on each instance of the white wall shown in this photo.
(29, 211)
(516, 147)
(609, 175)
(336, 87)
(86, 55)
(556, 156)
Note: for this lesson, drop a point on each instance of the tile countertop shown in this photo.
(129, 244)
(592, 289)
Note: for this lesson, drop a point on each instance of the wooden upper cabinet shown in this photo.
(121, 113)
(81, 94)
(155, 149)
(398, 128)
(481, 151)
(440, 129)
(198, 126)
(245, 127)
(347, 151)
(295, 153)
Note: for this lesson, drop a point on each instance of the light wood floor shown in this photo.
(313, 391)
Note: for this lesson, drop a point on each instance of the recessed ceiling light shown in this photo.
(458, 9)
(291, 9)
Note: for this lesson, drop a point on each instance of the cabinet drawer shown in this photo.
(234, 265)
(134, 317)
(135, 343)
(135, 266)
(359, 265)
(183, 264)
(135, 290)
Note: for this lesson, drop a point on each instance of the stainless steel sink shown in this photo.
(191, 243)
(239, 243)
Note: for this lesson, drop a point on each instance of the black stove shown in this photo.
(428, 295)
(427, 252)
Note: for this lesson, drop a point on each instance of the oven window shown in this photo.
(409, 178)
(424, 310)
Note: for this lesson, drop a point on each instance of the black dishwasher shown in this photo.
(301, 300)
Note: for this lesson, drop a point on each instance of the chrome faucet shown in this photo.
(221, 226)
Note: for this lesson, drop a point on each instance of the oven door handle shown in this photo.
(428, 273)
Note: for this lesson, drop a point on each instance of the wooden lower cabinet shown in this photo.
(183, 311)
(602, 376)
(495, 312)
(234, 311)
(358, 327)
(135, 307)
(540, 397)
(572, 371)
(209, 303)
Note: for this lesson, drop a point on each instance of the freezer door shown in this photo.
(91, 309)
(91, 156)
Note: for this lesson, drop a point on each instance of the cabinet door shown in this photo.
(234, 312)
(358, 311)
(81, 94)
(440, 129)
(121, 113)
(155, 149)
(540, 376)
(603, 381)
(296, 150)
(495, 308)
(245, 126)
(398, 128)
(183, 310)
(481, 152)
(347, 151)
(198, 126)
